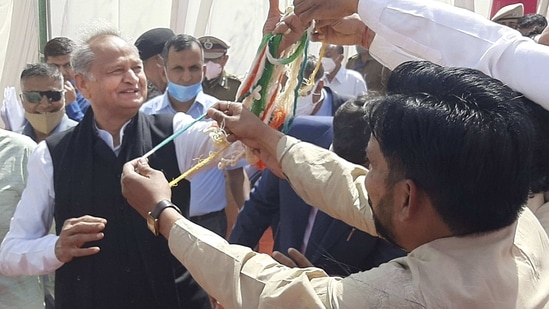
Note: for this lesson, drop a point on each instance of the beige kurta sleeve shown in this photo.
(240, 278)
(326, 181)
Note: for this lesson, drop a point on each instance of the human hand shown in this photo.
(241, 124)
(142, 186)
(307, 10)
(349, 30)
(274, 25)
(70, 92)
(293, 259)
(75, 233)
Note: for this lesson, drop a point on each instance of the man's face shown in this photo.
(332, 53)
(380, 196)
(63, 63)
(511, 23)
(185, 67)
(219, 60)
(41, 83)
(154, 71)
(118, 84)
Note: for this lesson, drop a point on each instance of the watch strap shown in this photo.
(161, 206)
(152, 218)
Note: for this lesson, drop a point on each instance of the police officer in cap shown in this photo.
(509, 15)
(217, 82)
(150, 45)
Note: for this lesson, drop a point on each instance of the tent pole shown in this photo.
(43, 25)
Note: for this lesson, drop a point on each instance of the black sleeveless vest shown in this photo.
(134, 269)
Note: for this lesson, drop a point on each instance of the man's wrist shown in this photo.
(269, 140)
(166, 220)
(153, 217)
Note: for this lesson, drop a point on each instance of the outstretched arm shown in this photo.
(249, 279)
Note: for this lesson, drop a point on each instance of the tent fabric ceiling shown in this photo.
(239, 22)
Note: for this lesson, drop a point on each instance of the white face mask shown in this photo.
(328, 64)
(213, 70)
(45, 122)
(305, 104)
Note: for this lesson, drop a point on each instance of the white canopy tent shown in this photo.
(238, 21)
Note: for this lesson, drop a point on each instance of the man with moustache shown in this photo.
(432, 187)
(103, 254)
(184, 65)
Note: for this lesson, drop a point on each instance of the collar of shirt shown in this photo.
(163, 106)
(107, 137)
(221, 80)
(326, 108)
(340, 76)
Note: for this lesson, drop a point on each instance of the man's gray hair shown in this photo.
(41, 70)
(83, 56)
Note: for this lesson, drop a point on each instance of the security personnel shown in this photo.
(150, 45)
(509, 15)
(218, 83)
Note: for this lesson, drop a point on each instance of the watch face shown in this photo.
(152, 224)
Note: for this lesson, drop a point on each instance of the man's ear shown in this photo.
(159, 61)
(223, 61)
(408, 197)
(340, 58)
(82, 84)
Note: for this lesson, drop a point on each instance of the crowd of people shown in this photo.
(413, 175)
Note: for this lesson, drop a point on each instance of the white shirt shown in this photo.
(28, 249)
(347, 82)
(161, 105)
(539, 205)
(429, 30)
(208, 192)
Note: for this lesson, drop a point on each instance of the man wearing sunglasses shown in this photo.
(43, 98)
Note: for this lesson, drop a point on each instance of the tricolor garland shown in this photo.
(265, 92)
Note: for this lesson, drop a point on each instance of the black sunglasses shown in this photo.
(36, 96)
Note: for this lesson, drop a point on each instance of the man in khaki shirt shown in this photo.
(433, 188)
(217, 82)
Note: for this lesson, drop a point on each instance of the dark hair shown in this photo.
(462, 137)
(59, 46)
(180, 42)
(539, 171)
(41, 70)
(351, 130)
(310, 67)
(530, 20)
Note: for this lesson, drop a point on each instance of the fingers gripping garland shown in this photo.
(265, 93)
(219, 138)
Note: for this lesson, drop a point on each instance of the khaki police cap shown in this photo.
(213, 47)
(511, 11)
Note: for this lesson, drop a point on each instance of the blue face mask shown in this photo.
(184, 93)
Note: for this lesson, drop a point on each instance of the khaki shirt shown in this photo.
(223, 87)
(374, 73)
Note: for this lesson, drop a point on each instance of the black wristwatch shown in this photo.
(152, 218)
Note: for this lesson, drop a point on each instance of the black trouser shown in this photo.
(214, 221)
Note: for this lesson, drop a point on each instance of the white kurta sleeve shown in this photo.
(450, 36)
(28, 249)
